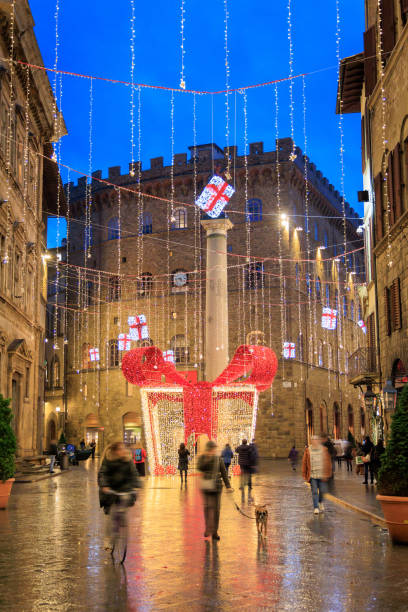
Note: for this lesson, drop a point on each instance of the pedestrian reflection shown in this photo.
(211, 573)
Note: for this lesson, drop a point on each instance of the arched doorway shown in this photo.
(51, 430)
(93, 431)
(323, 417)
(132, 428)
(350, 419)
(336, 421)
(399, 375)
(309, 420)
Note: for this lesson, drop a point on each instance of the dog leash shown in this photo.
(253, 518)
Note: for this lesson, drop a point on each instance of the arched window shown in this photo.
(56, 382)
(179, 220)
(326, 240)
(352, 310)
(345, 306)
(309, 420)
(254, 275)
(178, 344)
(113, 353)
(316, 232)
(113, 229)
(323, 417)
(328, 295)
(256, 338)
(147, 223)
(145, 283)
(114, 289)
(254, 210)
(320, 353)
(318, 289)
(350, 419)
(336, 421)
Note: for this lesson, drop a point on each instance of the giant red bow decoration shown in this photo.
(146, 366)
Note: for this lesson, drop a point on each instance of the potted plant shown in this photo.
(393, 474)
(8, 446)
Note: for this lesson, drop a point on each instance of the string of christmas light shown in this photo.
(10, 118)
(140, 207)
(56, 72)
(132, 86)
(252, 274)
(67, 253)
(227, 88)
(380, 62)
(292, 156)
(182, 22)
(26, 153)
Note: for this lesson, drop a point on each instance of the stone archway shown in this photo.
(51, 430)
(336, 421)
(309, 420)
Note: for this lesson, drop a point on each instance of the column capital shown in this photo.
(216, 226)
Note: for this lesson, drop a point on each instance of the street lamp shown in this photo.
(370, 398)
(390, 396)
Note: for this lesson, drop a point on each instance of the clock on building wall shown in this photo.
(180, 279)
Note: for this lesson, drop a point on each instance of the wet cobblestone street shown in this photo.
(51, 554)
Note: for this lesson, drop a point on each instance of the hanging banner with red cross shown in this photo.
(329, 318)
(362, 325)
(215, 197)
(138, 329)
(94, 354)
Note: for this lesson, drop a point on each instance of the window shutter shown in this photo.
(379, 232)
(388, 27)
(405, 181)
(396, 181)
(390, 190)
(370, 61)
(387, 313)
(371, 331)
(396, 305)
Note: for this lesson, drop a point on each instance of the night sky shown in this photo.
(95, 39)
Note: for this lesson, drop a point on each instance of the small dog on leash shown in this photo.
(261, 515)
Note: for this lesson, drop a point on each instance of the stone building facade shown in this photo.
(131, 254)
(27, 189)
(375, 83)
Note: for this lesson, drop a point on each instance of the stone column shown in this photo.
(216, 301)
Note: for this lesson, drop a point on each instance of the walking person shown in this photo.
(244, 461)
(52, 452)
(317, 469)
(93, 447)
(349, 456)
(332, 451)
(293, 457)
(183, 454)
(82, 445)
(213, 473)
(227, 456)
(140, 460)
(376, 457)
(117, 473)
(367, 449)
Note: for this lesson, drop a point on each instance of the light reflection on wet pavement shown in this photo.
(51, 555)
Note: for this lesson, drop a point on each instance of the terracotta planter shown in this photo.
(395, 511)
(5, 490)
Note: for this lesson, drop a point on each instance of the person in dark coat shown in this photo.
(367, 449)
(293, 457)
(82, 445)
(227, 456)
(245, 463)
(376, 457)
(117, 473)
(349, 456)
(213, 470)
(52, 452)
(183, 454)
(93, 447)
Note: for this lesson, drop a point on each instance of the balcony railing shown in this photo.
(363, 365)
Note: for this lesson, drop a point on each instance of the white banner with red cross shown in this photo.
(215, 197)
(362, 325)
(329, 318)
(138, 329)
(124, 342)
(289, 350)
(169, 356)
(94, 354)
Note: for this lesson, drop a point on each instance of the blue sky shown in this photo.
(95, 39)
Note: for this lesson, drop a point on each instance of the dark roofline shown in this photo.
(350, 84)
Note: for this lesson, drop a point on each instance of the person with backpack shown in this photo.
(139, 459)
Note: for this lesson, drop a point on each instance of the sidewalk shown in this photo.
(348, 487)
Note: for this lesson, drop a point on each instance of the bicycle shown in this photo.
(119, 533)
